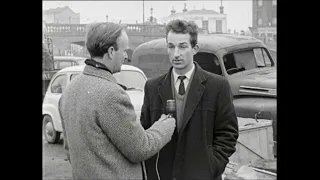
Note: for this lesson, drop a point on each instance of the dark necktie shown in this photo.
(181, 87)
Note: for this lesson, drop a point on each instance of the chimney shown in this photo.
(173, 11)
(221, 8)
(185, 8)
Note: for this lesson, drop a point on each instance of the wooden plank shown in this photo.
(254, 141)
(265, 164)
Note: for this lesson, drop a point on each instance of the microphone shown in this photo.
(171, 108)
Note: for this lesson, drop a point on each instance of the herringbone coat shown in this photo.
(104, 139)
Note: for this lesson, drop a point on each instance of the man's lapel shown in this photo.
(165, 89)
(194, 95)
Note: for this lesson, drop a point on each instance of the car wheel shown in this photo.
(51, 135)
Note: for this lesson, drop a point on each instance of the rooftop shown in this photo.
(57, 10)
(195, 12)
(211, 42)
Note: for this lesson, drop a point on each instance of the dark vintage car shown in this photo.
(244, 61)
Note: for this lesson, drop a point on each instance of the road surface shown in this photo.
(54, 164)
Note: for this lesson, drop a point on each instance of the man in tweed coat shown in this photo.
(103, 138)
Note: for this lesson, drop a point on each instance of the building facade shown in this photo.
(264, 20)
(209, 21)
(61, 15)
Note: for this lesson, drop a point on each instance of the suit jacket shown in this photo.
(103, 137)
(209, 130)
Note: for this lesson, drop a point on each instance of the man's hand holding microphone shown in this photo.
(168, 121)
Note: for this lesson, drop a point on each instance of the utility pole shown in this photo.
(143, 25)
(143, 11)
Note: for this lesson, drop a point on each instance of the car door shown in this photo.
(56, 89)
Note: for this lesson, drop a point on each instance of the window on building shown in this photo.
(259, 21)
(275, 37)
(259, 2)
(274, 2)
(219, 26)
(274, 13)
(274, 21)
(205, 25)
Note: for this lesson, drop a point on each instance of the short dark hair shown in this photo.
(101, 36)
(183, 27)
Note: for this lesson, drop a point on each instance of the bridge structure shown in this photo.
(66, 36)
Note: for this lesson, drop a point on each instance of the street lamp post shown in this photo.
(143, 25)
(142, 11)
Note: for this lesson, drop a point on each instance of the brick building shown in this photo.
(264, 20)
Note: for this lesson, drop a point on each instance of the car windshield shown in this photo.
(246, 60)
(133, 80)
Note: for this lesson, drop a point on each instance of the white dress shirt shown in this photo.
(185, 81)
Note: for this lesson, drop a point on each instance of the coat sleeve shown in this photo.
(65, 139)
(118, 121)
(145, 118)
(225, 132)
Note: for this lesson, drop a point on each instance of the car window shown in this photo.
(274, 55)
(73, 76)
(59, 84)
(246, 60)
(208, 62)
(131, 79)
(64, 64)
(262, 57)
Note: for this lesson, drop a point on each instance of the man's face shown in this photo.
(180, 52)
(121, 54)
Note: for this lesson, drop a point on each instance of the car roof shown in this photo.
(79, 68)
(209, 42)
(74, 58)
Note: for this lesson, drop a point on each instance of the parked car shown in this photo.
(245, 62)
(61, 62)
(58, 63)
(131, 77)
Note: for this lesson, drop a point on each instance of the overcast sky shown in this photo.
(239, 12)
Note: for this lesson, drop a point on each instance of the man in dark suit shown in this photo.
(207, 127)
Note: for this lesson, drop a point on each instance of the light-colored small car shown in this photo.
(131, 77)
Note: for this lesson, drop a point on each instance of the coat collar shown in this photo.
(194, 95)
(92, 71)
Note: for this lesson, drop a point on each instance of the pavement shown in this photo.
(54, 163)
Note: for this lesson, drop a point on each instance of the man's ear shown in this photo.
(111, 51)
(195, 49)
